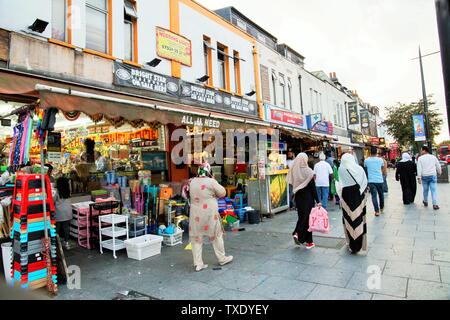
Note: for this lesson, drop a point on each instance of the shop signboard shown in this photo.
(419, 128)
(313, 119)
(195, 121)
(324, 127)
(54, 147)
(286, 118)
(374, 141)
(128, 76)
(182, 91)
(353, 113)
(6, 122)
(154, 161)
(365, 122)
(356, 137)
(173, 46)
(216, 99)
(382, 142)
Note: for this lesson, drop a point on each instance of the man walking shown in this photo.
(375, 167)
(323, 173)
(385, 175)
(428, 168)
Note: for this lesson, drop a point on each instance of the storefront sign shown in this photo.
(313, 119)
(181, 91)
(54, 142)
(356, 137)
(173, 47)
(128, 76)
(365, 122)
(353, 113)
(374, 141)
(200, 122)
(216, 99)
(286, 118)
(419, 128)
(6, 122)
(324, 127)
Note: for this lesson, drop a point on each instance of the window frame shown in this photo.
(290, 92)
(225, 77)
(237, 72)
(208, 59)
(108, 26)
(133, 19)
(274, 87)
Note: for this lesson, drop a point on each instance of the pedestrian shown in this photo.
(301, 177)
(374, 166)
(335, 181)
(324, 173)
(330, 159)
(406, 173)
(428, 168)
(385, 175)
(203, 192)
(63, 210)
(290, 161)
(353, 181)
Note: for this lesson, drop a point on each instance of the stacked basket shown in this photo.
(29, 265)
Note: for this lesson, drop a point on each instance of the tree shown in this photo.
(399, 122)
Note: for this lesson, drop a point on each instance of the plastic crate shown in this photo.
(172, 240)
(143, 247)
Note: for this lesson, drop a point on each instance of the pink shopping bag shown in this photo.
(318, 221)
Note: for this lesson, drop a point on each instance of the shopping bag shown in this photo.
(318, 221)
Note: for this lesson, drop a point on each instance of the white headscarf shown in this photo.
(300, 174)
(350, 173)
(406, 157)
(322, 156)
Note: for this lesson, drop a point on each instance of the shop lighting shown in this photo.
(154, 63)
(38, 26)
(203, 79)
(251, 93)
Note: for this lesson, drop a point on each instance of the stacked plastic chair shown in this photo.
(30, 266)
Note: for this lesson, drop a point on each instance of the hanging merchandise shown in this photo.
(21, 141)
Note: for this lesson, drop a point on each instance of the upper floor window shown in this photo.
(274, 85)
(283, 90)
(237, 72)
(59, 14)
(207, 54)
(96, 25)
(289, 85)
(223, 65)
(130, 31)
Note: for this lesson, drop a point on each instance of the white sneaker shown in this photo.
(227, 261)
(201, 268)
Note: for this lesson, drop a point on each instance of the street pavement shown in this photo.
(408, 258)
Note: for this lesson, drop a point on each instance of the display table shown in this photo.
(271, 195)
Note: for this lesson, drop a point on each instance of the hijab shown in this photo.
(406, 157)
(300, 174)
(349, 171)
(204, 170)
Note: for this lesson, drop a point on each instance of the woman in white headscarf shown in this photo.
(353, 187)
(406, 173)
(301, 177)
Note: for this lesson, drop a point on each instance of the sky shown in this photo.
(370, 44)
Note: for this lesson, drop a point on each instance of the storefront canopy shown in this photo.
(92, 101)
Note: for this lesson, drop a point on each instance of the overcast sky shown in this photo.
(368, 43)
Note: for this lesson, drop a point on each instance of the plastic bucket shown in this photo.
(7, 252)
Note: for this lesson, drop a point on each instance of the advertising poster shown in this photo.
(173, 47)
(419, 128)
(353, 113)
(278, 191)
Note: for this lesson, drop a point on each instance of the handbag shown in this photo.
(318, 221)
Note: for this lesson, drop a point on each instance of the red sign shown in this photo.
(289, 118)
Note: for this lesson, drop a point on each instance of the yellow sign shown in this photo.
(174, 47)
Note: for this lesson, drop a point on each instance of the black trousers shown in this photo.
(63, 228)
(305, 203)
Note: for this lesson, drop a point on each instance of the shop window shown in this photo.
(130, 29)
(97, 25)
(223, 65)
(207, 54)
(59, 14)
(237, 72)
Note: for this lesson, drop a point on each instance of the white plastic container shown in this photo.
(172, 240)
(7, 252)
(144, 247)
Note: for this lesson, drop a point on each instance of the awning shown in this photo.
(296, 133)
(90, 100)
(354, 145)
(323, 136)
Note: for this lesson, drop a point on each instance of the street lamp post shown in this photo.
(425, 104)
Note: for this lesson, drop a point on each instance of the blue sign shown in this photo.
(419, 128)
(313, 119)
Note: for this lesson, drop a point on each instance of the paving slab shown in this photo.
(392, 286)
(412, 270)
(425, 290)
(323, 292)
(241, 281)
(279, 288)
(326, 276)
